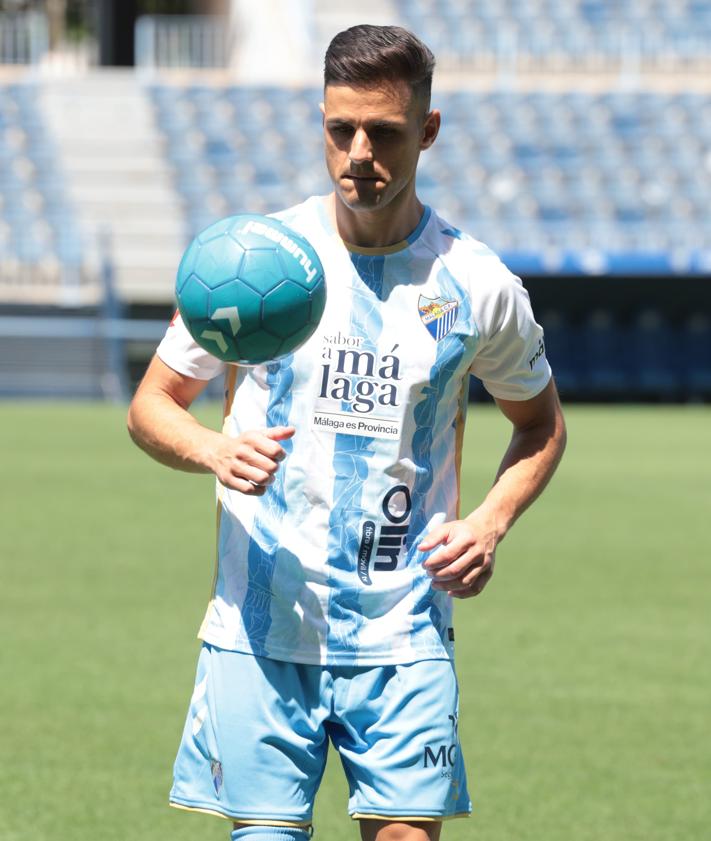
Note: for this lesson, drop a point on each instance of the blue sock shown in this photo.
(271, 833)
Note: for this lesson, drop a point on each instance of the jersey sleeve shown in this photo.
(510, 360)
(181, 352)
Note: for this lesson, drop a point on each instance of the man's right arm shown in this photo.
(159, 423)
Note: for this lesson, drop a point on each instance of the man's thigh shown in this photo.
(254, 746)
(397, 831)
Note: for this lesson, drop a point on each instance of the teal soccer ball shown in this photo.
(250, 289)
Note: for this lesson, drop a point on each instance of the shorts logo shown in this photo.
(438, 315)
(216, 773)
(444, 755)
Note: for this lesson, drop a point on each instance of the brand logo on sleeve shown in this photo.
(438, 315)
(540, 351)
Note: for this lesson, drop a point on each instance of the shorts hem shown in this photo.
(406, 816)
(246, 819)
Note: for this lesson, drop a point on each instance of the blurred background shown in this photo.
(576, 142)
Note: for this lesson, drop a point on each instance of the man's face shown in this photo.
(373, 138)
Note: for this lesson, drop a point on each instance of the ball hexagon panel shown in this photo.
(207, 334)
(240, 296)
(217, 229)
(259, 347)
(193, 301)
(219, 261)
(262, 269)
(187, 265)
(245, 234)
(300, 336)
(286, 308)
(298, 273)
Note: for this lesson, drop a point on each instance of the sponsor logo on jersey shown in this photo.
(356, 386)
(438, 315)
(390, 539)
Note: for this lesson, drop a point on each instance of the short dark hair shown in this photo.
(366, 55)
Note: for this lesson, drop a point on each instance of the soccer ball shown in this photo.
(250, 289)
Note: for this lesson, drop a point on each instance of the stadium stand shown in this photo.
(557, 183)
(40, 236)
(548, 31)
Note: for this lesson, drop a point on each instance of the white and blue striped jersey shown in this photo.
(324, 568)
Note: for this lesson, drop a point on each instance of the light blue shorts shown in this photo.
(257, 732)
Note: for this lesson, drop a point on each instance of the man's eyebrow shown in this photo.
(387, 124)
(377, 124)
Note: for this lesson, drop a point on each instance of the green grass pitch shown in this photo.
(585, 666)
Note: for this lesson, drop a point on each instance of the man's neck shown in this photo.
(376, 228)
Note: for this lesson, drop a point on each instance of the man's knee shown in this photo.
(247, 832)
(372, 830)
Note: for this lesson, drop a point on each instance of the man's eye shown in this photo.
(341, 130)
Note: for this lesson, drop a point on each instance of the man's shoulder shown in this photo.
(464, 254)
(303, 213)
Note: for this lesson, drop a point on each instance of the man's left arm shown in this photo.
(464, 561)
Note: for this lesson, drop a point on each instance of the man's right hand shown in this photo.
(248, 462)
(160, 423)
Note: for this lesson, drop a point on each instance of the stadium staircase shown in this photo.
(119, 178)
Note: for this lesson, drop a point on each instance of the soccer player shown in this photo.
(340, 543)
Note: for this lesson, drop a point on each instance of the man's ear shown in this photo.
(430, 129)
(322, 109)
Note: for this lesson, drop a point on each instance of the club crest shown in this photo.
(438, 315)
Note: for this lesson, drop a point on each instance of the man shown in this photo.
(340, 546)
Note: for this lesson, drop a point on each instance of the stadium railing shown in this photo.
(182, 41)
(72, 348)
(24, 37)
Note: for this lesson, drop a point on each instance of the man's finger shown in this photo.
(470, 558)
(475, 588)
(279, 433)
(438, 535)
(267, 442)
(253, 474)
(447, 554)
(244, 486)
(467, 575)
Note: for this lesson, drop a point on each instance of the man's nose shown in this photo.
(361, 151)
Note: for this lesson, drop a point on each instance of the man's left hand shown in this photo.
(464, 561)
